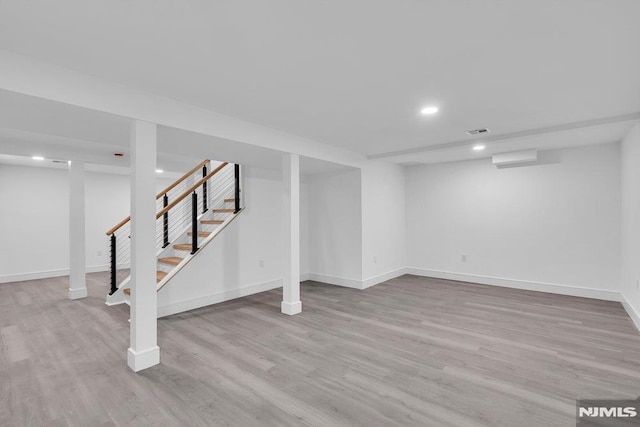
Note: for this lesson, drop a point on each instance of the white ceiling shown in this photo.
(352, 74)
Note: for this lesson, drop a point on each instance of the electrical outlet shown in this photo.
(375, 259)
(99, 253)
(261, 263)
(463, 258)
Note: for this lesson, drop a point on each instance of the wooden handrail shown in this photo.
(188, 191)
(185, 176)
(118, 225)
(162, 193)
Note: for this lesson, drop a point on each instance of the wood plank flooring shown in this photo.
(411, 351)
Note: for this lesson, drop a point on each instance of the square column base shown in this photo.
(139, 360)
(291, 308)
(77, 293)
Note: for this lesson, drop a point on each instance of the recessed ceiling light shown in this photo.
(429, 110)
(159, 171)
(479, 147)
(37, 158)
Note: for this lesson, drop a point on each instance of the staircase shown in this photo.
(191, 212)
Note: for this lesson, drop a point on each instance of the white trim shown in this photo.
(553, 288)
(119, 297)
(139, 360)
(631, 311)
(304, 277)
(339, 281)
(291, 308)
(354, 283)
(375, 280)
(192, 304)
(47, 274)
(77, 293)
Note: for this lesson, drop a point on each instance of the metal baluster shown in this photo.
(114, 286)
(194, 223)
(237, 192)
(204, 190)
(165, 220)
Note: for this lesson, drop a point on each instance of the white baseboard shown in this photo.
(192, 304)
(104, 267)
(139, 360)
(354, 283)
(383, 277)
(47, 274)
(77, 293)
(631, 311)
(291, 308)
(304, 277)
(36, 275)
(553, 288)
(338, 281)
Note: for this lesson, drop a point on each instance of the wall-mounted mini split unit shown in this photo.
(476, 132)
(515, 157)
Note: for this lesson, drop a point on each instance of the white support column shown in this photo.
(144, 351)
(77, 267)
(291, 214)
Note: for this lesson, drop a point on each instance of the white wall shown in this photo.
(34, 222)
(383, 222)
(552, 227)
(335, 228)
(630, 277)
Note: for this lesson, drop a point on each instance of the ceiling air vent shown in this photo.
(60, 161)
(475, 132)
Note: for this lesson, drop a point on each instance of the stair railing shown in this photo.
(120, 234)
(175, 214)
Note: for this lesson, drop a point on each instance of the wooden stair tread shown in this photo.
(171, 260)
(212, 221)
(229, 200)
(224, 210)
(182, 246)
(159, 276)
(200, 233)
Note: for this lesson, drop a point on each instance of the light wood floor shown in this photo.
(412, 351)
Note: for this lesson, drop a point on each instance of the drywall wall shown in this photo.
(553, 227)
(630, 252)
(245, 258)
(383, 222)
(335, 228)
(34, 223)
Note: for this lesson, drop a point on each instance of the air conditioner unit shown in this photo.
(515, 157)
